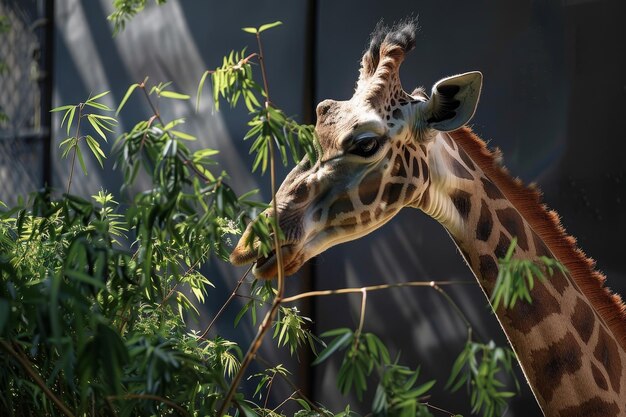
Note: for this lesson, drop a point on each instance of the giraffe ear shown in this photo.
(453, 101)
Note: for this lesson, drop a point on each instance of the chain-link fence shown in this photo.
(23, 118)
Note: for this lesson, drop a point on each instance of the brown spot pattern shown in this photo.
(491, 190)
(368, 189)
(365, 217)
(598, 377)
(415, 167)
(398, 167)
(449, 141)
(342, 204)
(551, 363)
(463, 203)
(583, 320)
(606, 352)
(488, 271)
(502, 247)
(540, 248)
(595, 407)
(558, 279)
(525, 316)
(513, 223)
(457, 169)
(485, 223)
(424, 170)
(392, 192)
(466, 159)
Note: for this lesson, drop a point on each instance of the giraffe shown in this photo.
(385, 149)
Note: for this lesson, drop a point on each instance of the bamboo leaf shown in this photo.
(96, 97)
(174, 95)
(338, 343)
(80, 159)
(183, 135)
(96, 126)
(70, 119)
(269, 26)
(126, 96)
(200, 87)
(61, 108)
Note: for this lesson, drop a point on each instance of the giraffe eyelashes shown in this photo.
(365, 145)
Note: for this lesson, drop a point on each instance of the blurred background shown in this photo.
(554, 99)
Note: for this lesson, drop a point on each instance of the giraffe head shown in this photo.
(373, 158)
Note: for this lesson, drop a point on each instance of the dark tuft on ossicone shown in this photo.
(402, 34)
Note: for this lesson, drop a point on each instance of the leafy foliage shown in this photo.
(516, 277)
(397, 394)
(126, 10)
(480, 367)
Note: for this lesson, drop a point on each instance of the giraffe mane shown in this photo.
(546, 223)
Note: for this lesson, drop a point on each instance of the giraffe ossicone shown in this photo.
(385, 149)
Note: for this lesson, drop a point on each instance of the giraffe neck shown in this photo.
(570, 353)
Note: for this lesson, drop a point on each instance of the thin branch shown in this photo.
(292, 385)
(359, 330)
(23, 360)
(373, 288)
(280, 290)
(157, 114)
(230, 298)
(456, 309)
(171, 403)
(439, 409)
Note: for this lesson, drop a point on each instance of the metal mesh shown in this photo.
(21, 131)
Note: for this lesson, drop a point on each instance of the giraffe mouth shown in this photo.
(266, 267)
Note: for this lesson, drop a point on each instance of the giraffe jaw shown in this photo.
(267, 267)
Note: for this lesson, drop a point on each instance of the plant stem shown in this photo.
(157, 115)
(171, 403)
(35, 377)
(362, 319)
(296, 389)
(80, 112)
(439, 409)
(373, 288)
(455, 307)
(230, 298)
(280, 290)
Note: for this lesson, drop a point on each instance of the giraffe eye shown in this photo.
(365, 146)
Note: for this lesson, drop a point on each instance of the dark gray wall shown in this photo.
(553, 101)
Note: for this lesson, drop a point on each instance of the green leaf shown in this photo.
(174, 95)
(95, 149)
(338, 343)
(82, 277)
(183, 135)
(200, 87)
(61, 108)
(95, 125)
(250, 30)
(80, 159)
(97, 97)
(70, 119)
(269, 26)
(126, 96)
